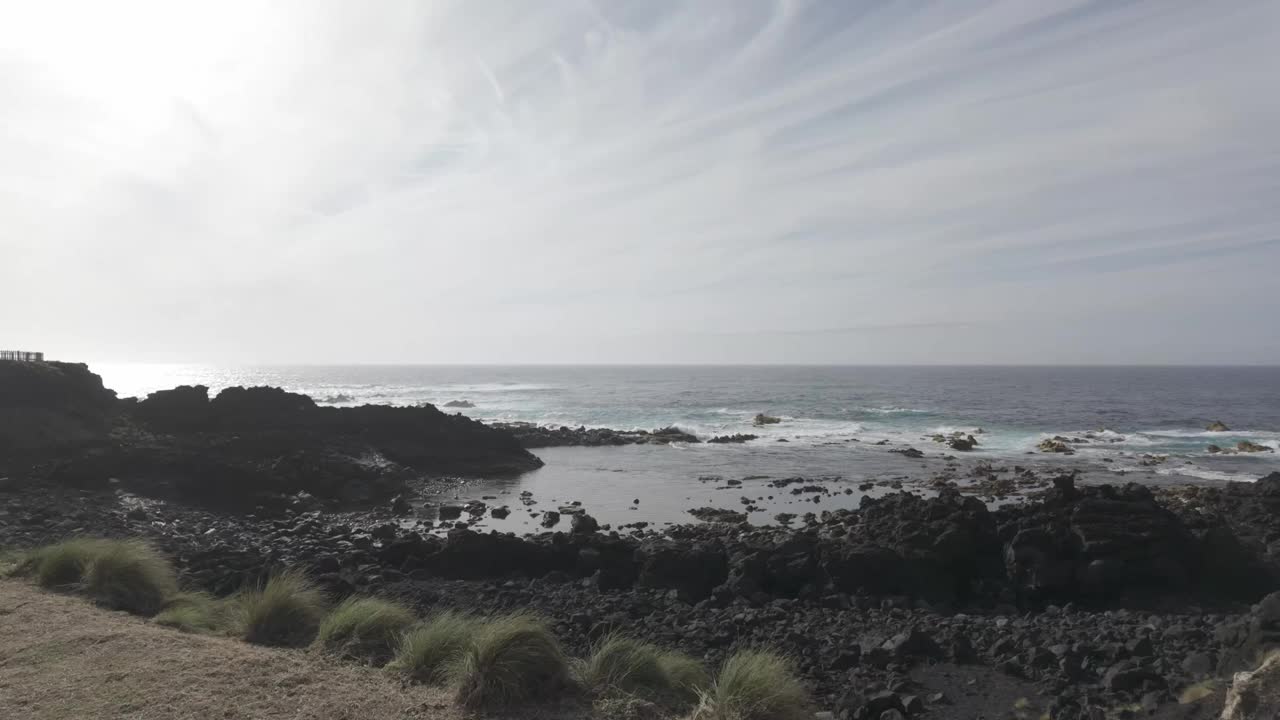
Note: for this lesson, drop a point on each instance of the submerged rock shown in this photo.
(710, 514)
(761, 419)
(735, 438)
(1055, 444)
(1248, 446)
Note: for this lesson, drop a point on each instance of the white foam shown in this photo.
(892, 411)
(1204, 474)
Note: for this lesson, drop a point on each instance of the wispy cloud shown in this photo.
(425, 181)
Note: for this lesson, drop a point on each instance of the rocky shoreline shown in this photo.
(1092, 597)
(1077, 602)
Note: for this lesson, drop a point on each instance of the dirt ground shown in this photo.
(61, 658)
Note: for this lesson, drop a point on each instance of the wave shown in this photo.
(1204, 474)
(337, 399)
(892, 411)
(1191, 433)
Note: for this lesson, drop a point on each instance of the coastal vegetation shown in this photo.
(490, 663)
(286, 611)
(755, 685)
(428, 649)
(365, 628)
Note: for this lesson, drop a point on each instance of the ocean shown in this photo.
(831, 418)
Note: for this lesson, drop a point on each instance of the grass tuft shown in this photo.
(687, 678)
(130, 575)
(193, 613)
(428, 650)
(286, 611)
(755, 685)
(62, 564)
(365, 629)
(619, 663)
(512, 660)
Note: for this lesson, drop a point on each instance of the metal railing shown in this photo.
(22, 355)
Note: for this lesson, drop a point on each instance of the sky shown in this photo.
(647, 181)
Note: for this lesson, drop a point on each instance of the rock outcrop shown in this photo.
(536, 436)
(48, 407)
(1255, 694)
(1109, 545)
(246, 447)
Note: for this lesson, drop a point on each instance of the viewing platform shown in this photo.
(21, 355)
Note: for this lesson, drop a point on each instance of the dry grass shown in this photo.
(63, 659)
(285, 612)
(512, 661)
(367, 629)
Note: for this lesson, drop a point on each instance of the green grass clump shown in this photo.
(428, 650)
(62, 564)
(286, 611)
(619, 663)
(192, 612)
(512, 660)
(687, 678)
(755, 685)
(130, 575)
(365, 629)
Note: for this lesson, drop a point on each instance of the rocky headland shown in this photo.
(244, 448)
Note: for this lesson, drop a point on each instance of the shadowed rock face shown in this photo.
(247, 446)
(50, 406)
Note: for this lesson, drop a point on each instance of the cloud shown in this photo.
(314, 181)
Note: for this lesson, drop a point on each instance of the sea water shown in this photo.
(832, 418)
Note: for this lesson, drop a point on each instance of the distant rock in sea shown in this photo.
(459, 404)
(761, 419)
(1217, 426)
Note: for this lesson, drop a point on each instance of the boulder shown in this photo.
(584, 523)
(185, 407)
(1255, 694)
(1248, 446)
(693, 570)
(550, 518)
(1104, 544)
(671, 434)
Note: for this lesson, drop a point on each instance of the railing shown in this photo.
(21, 355)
